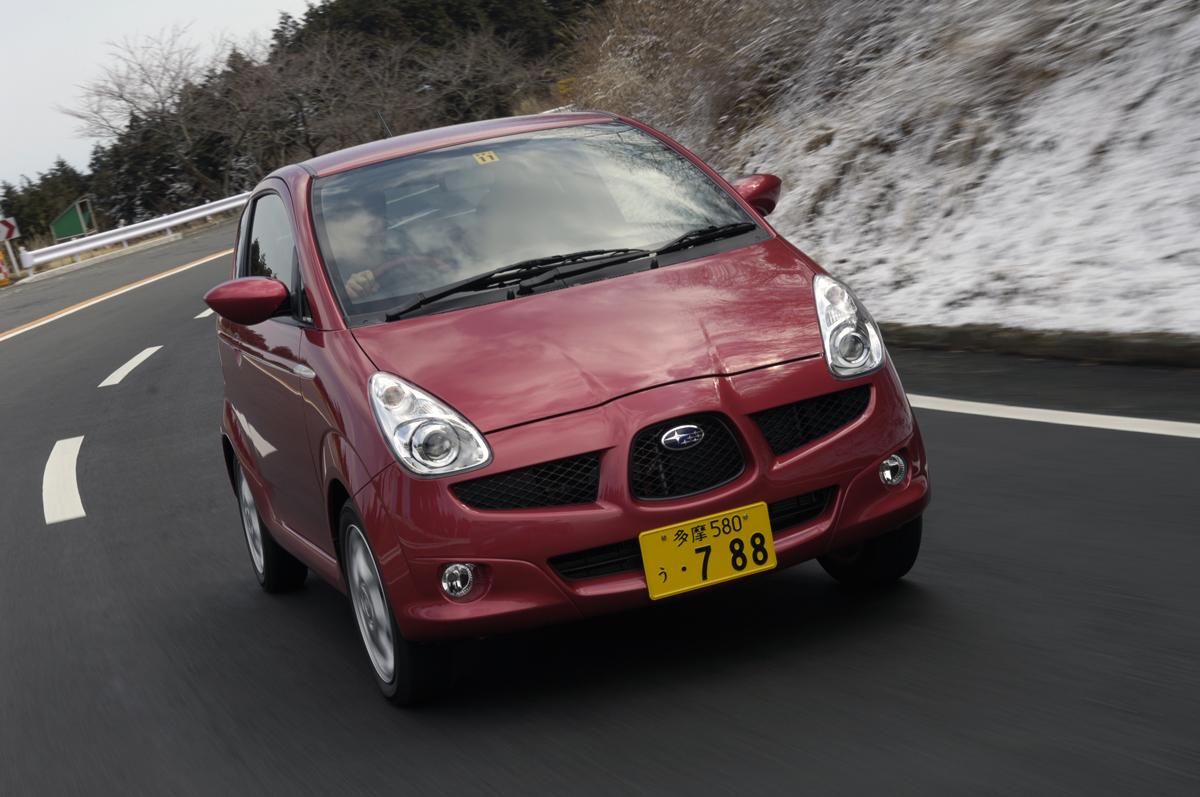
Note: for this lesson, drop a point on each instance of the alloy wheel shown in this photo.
(251, 524)
(370, 604)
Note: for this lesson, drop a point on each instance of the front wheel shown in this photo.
(877, 562)
(406, 672)
(276, 569)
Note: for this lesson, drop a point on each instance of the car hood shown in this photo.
(513, 362)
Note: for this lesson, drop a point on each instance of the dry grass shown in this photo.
(702, 69)
(707, 70)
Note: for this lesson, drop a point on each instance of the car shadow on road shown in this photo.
(679, 643)
(730, 629)
(779, 621)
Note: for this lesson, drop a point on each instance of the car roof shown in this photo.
(424, 140)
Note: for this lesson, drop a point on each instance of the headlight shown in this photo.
(428, 437)
(853, 345)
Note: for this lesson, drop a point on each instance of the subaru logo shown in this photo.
(681, 437)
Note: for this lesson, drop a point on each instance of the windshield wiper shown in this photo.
(705, 235)
(550, 275)
(528, 273)
(496, 277)
(688, 239)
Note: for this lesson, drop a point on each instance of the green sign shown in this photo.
(74, 221)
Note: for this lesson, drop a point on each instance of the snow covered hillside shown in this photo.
(1030, 163)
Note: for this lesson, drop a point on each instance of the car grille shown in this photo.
(793, 425)
(626, 557)
(657, 473)
(621, 557)
(798, 509)
(574, 480)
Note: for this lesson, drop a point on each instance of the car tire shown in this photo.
(275, 568)
(877, 562)
(406, 672)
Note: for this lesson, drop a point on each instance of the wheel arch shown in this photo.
(336, 496)
(230, 461)
(344, 475)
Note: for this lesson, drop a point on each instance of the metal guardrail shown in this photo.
(123, 235)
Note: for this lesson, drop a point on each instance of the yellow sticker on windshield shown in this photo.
(486, 157)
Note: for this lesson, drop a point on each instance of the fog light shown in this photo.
(892, 470)
(458, 580)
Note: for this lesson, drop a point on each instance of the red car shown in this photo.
(528, 370)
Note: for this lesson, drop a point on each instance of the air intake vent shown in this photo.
(793, 425)
(574, 480)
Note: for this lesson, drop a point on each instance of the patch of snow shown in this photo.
(1028, 164)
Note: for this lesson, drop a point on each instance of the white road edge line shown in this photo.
(1117, 423)
(205, 313)
(60, 489)
(116, 376)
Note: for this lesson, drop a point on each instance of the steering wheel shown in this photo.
(388, 273)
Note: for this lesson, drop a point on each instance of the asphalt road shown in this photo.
(1047, 642)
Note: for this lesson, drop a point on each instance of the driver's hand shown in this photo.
(362, 285)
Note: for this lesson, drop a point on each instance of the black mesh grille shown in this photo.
(656, 472)
(626, 557)
(798, 509)
(574, 480)
(621, 557)
(793, 425)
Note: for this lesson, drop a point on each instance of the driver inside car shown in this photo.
(412, 236)
(432, 236)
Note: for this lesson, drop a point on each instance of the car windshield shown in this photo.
(419, 222)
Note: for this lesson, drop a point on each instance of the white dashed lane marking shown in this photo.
(116, 376)
(60, 490)
(1118, 423)
(205, 313)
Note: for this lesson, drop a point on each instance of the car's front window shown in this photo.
(419, 222)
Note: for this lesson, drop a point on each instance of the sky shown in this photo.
(50, 48)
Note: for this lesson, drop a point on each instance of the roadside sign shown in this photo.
(73, 222)
(8, 231)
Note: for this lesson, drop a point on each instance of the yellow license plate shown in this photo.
(708, 550)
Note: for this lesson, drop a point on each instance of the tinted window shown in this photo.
(418, 222)
(270, 250)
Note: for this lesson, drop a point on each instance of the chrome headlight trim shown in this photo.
(408, 417)
(851, 339)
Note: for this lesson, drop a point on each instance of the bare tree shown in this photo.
(480, 77)
(224, 122)
(317, 87)
(392, 88)
(146, 78)
(152, 79)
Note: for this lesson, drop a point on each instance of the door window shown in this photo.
(270, 249)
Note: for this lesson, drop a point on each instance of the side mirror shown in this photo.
(248, 300)
(760, 190)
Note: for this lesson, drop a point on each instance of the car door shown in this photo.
(264, 370)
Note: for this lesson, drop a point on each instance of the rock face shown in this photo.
(1021, 163)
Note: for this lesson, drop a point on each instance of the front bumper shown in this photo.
(417, 526)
